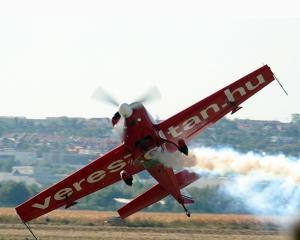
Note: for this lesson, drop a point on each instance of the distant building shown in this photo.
(19, 156)
(54, 157)
(7, 156)
(78, 159)
(36, 174)
(5, 177)
(23, 170)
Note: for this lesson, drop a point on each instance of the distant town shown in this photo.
(41, 151)
(35, 153)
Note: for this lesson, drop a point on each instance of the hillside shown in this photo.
(96, 135)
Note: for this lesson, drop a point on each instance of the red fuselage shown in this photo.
(140, 132)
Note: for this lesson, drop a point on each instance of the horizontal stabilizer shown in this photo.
(187, 200)
(155, 194)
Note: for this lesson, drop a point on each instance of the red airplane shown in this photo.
(143, 138)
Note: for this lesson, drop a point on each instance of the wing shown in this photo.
(201, 115)
(98, 174)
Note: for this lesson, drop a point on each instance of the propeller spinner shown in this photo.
(125, 110)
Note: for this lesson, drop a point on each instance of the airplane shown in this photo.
(141, 140)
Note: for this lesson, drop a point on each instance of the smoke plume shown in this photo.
(226, 161)
(266, 184)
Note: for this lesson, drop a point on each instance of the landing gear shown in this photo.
(115, 119)
(187, 212)
(126, 177)
(181, 145)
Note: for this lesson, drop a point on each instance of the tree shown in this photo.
(14, 193)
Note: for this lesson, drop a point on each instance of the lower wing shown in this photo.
(100, 173)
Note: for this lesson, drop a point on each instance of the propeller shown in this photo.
(125, 110)
(151, 95)
(103, 96)
(100, 94)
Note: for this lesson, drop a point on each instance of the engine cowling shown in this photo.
(126, 177)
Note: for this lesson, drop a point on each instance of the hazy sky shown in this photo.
(53, 54)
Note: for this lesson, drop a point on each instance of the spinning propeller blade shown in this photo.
(151, 95)
(101, 95)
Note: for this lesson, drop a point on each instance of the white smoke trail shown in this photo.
(226, 161)
(266, 184)
(269, 197)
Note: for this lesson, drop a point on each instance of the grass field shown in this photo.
(67, 224)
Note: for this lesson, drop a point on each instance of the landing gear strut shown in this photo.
(187, 212)
(181, 146)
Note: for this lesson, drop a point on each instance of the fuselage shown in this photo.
(140, 132)
(142, 138)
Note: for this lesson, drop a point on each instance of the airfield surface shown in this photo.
(64, 225)
(64, 232)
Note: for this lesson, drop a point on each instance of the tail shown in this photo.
(156, 193)
(187, 200)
